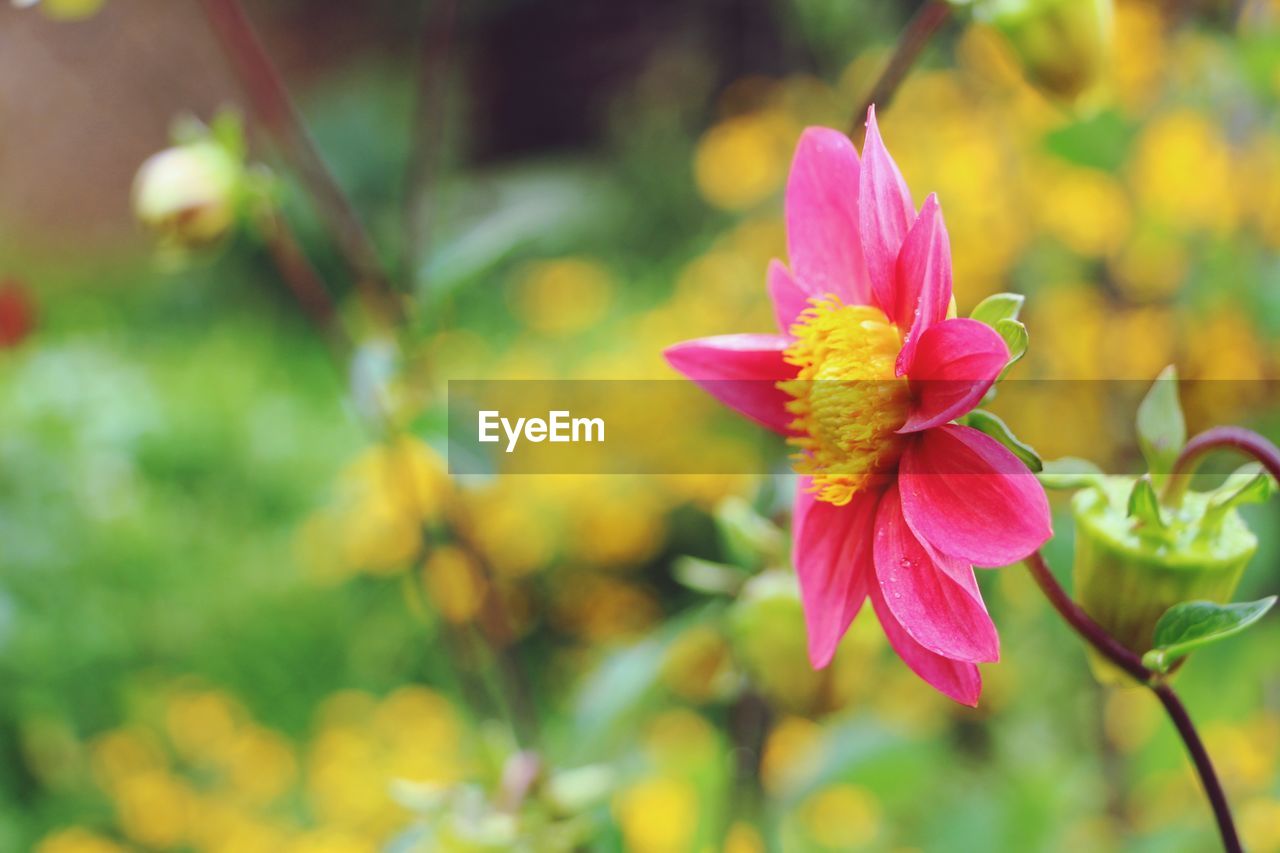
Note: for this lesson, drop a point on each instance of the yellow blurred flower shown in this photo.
(1259, 820)
(658, 815)
(77, 840)
(743, 160)
(124, 752)
(261, 766)
(1084, 208)
(201, 724)
(743, 838)
(154, 808)
(454, 584)
(563, 296)
(841, 817)
(1140, 60)
(1130, 718)
(792, 751)
(1182, 172)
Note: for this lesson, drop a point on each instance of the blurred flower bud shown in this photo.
(17, 313)
(189, 194)
(1135, 559)
(1063, 45)
(769, 640)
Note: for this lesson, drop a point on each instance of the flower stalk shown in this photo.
(1116, 653)
(919, 31)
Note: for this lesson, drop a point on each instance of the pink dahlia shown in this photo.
(896, 503)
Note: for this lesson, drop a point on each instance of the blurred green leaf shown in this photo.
(1162, 431)
(1070, 472)
(707, 577)
(1193, 624)
(1100, 142)
(749, 539)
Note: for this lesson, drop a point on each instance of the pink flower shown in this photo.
(897, 503)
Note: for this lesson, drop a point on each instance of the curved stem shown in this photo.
(1243, 440)
(923, 24)
(1122, 657)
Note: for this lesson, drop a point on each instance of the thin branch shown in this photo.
(1122, 657)
(428, 132)
(920, 29)
(275, 110)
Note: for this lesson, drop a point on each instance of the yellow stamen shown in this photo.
(847, 402)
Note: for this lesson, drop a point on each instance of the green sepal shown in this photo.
(1162, 430)
(1144, 506)
(1070, 472)
(1192, 624)
(997, 307)
(986, 422)
(1248, 485)
(1015, 337)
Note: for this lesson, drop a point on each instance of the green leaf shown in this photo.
(997, 307)
(1193, 624)
(1145, 506)
(1015, 337)
(984, 421)
(1070, 472)
(1162, 431)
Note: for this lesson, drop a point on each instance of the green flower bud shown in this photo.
(1134, 559)
(189, 194)
(769, 640)
(1063, 45)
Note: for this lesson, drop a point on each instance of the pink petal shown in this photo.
(885, 214)
(788, 298)
(740, 371)
(924, 279)
(831, 550)
(822, 217)
(964, 494)
(955, 679)
(956, 363)
(944, 616)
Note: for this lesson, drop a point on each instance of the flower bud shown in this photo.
(189, 194)
(769, 640)
(1135, 559)
(1063, 45)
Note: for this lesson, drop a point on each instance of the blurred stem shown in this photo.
(275, 110)
(307, 287)
(1126, 660)
(439, 20)
(931, 15)
(1240, 439)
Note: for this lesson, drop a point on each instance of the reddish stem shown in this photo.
(920, 29)
(1126, 660)
(1236, 438)
(274, 109)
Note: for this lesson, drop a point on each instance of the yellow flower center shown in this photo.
(847, 402)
